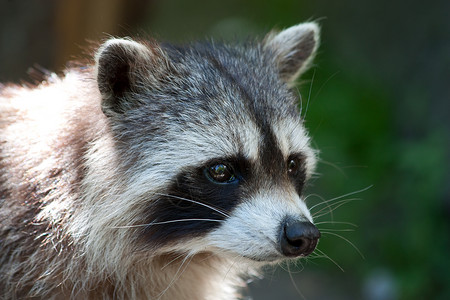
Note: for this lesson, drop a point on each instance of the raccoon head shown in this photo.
(212, 142)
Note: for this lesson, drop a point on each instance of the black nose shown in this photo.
(298, 238)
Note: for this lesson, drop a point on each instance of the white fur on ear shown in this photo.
(125, 66)
(126, 45)
(118, 64)
(293, 49)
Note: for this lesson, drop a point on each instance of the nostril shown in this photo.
(297, 242)
(298, 238)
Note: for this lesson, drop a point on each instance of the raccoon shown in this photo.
(156, 171)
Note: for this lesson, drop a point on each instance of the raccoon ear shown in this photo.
(124, 67)
(293, 49)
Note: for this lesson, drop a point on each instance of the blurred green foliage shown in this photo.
(378, 111)
(403, 226)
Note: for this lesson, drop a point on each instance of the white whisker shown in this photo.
(294, 284)
(173, 260)
(341, 237)
(196, 202)
(343, 196)
(166, 222)
(309, 93)
(177, 275)
(334, 166)
(330, 208)
(335, 222)
(337, 230)
(332, 260)
(323, 84)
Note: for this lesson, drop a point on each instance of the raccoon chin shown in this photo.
(256, 260)
(264, 259)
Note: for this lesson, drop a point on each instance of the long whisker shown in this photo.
(313, 256)
(332, 260)
(236, 259)
(311, 195)
(348, 241)
(166, 222)
(295, 262)
(335, 222)
(177, 275)
(333, 207)
(343, 196)
(309, 93)
(294, 284)
(196, 202)
(323, 84)
(323, 202)
(301, 100)
(173, 260)
(339, 169)
(337, 230)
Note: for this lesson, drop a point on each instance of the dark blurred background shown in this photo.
(377, 107)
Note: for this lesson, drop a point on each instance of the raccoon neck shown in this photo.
(166, 277)
(202, 276)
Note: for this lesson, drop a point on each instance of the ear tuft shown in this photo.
(293, 49)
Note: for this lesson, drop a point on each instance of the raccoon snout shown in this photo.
(298, 238)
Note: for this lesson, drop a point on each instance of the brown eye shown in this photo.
(221, 173)
(293, 165)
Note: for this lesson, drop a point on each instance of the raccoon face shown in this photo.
(215, 143)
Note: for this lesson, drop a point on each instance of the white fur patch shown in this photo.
(253, 230)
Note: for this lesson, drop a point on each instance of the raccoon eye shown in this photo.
(221, 173)
(293, 165)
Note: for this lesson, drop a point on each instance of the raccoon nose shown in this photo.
(298, 238)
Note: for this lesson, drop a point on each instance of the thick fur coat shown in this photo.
(156, 172)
